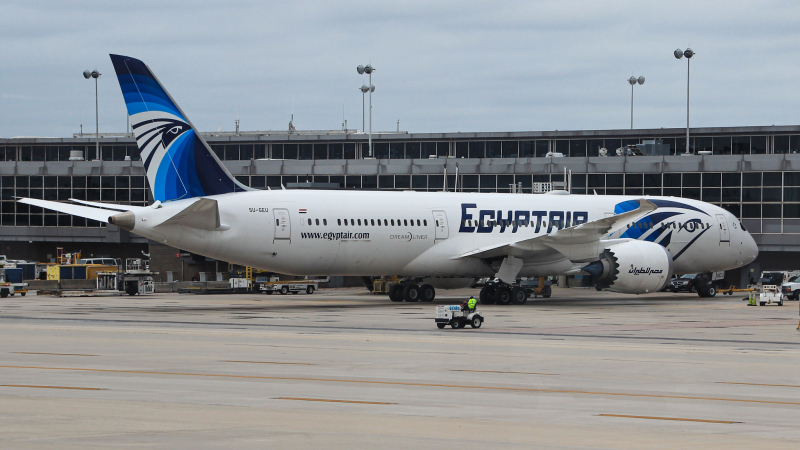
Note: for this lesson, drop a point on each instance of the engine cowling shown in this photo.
(633, 267)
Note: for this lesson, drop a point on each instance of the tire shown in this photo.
(284, 290)
(711, 291)
(270, 292)
(518, 296)
(427, 293)
(487, 295)
(22, 293)
(4, 293)
(309, 289)
(396, 293)
(411, 293)
(131, 289)
(441, 325)
(796, 294)
(502, 296)
(476, 322)
(674, 291)
(455, 324)
(548, 291)
(295, 292)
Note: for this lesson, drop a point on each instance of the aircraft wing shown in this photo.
(576, 242)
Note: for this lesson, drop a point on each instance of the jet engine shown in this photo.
(633, 267)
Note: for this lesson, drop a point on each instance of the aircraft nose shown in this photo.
(749, 249)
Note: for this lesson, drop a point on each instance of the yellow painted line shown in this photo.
(55, 354)
(667, 418)
(332, 401)
(269, 362)
(52, 387)
(500, 371)
(759, 384)
(401, 383)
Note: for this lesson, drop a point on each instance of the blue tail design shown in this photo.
(179, 163)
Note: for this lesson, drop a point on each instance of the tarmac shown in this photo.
(342, 368)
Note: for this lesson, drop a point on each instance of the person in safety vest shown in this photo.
(471, 303)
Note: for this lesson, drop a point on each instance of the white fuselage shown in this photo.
(311, 232)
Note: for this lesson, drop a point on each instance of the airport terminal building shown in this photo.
(753, 172)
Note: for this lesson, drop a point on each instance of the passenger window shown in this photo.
(339, 221)
(372, 221)
(385, 223)
(325, 222)
(392, 222)
(317, 220)
(425, 222)
(405, 222)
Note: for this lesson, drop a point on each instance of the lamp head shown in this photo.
(688, 53)
(87, 74)
(360, 70)
(640, 80)
(632, 80)
(369, 69)
(364, 89)
(372, 88)
(678, 54)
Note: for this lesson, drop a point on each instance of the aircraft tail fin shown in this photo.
(178, 161)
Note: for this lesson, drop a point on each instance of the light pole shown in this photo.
(633, 80)
(678, 55)
(368, 69)
(95, 74)
(364, 89)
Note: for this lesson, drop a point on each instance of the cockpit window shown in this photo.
(742, 225)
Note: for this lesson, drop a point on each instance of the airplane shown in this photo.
(629, 244)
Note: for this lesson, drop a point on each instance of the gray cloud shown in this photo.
(442, 66)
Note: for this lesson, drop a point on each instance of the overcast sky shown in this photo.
(441, 66)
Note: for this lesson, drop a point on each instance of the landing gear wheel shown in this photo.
(476, 322)
(518, 296)
(711, 291)
(487, 295)
(502, 296)
(309, 289)
(441, 325)
(547, 292)
(411, 293)
(396, 293)
(427, 293)
(284, 290)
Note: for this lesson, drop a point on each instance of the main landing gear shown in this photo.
(410, 291)
(498, 292)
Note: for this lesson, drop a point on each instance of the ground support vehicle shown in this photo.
(496, 291)
(791, 288)
(382, 285)
(704, 284)
(293, 286)
(769, 294)
(730, 290)
(11, 289)
(457, 317)
(135, 279)
(537, 287)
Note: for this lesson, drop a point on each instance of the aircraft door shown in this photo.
(724, 233)
(283, 226)
(440, 222)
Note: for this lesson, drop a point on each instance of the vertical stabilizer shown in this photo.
(179, 163)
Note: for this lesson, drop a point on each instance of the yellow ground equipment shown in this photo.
(381, 285)
(733, 289)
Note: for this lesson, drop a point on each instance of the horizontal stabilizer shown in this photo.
(107, 205)
(98, 214)
(202, 215)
